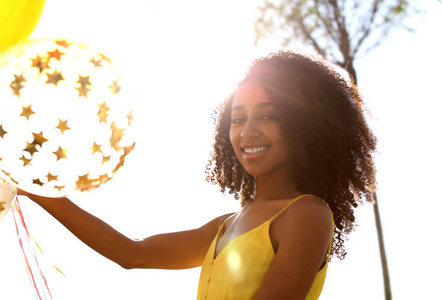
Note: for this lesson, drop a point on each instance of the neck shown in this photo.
(275, 187)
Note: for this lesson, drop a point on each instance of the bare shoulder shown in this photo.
(308, 216)
(301, 237)
(308, 207)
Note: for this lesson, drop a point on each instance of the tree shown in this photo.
(341, 31)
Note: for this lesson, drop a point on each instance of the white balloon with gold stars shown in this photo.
(65, 123)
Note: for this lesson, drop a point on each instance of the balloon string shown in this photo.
(41, 251)
(24, 240)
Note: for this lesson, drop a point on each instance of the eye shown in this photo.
(237, 120)
(269, 117)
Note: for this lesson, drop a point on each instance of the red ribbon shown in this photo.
(35, 274)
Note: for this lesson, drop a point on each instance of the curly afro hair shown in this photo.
(322, 119)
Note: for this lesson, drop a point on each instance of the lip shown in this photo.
(263, 150)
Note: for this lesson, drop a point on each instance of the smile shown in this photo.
(255, 150)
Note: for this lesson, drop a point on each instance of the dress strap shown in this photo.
(287, 206)
(331, 213)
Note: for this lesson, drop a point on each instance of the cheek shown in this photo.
(283, 143)
(232, 136)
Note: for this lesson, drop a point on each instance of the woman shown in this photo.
(293, 144)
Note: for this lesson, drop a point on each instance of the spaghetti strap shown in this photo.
(331, 213)
(293, 201)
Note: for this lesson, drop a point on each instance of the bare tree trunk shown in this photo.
(382, 249)
(350, 68)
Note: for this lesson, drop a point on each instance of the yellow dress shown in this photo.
(238, 270)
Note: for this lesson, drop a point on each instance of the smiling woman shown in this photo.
(255, 133)
(279, 243)
(292, 127)
(311, 115)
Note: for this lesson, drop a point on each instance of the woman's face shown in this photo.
(255, 132)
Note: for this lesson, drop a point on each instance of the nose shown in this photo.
(249, 130)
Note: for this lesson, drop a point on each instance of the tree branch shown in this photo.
(326, 22)
(366, 30)
(344, 42)
(307, 35)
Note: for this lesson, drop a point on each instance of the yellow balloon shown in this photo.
(18, 19)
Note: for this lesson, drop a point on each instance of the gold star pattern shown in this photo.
(55, 54)
(120, 163)
(63, 125)
(84, 80)
(60, 153)
(117, 134)
(104, 178)
(96, 63)
(52, 177)
(13, 181)
(104, 57)
(127, 150)
(16, 85)
(2, 132)
(54, 78)
(39, 139)
(83, 89)
(105, 159)
(25, 161)
(59, 187)
(102, 113)
(10, 178)
(37, 181)
(27, 111)
(39, 63)
(63, 43)
(115, 87)
(130, 117)
(96, 148)
(30, 147)
(84, 183)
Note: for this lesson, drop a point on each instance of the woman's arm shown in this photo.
(302, 234)
(177, 250)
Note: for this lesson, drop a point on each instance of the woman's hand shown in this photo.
(91, 230)
(178, 250)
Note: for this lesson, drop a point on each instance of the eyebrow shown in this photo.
(259, 105)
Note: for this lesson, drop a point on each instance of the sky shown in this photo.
(182, 58)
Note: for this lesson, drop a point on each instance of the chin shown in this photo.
(254, 172)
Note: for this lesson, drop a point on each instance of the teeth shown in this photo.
(254, 150)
